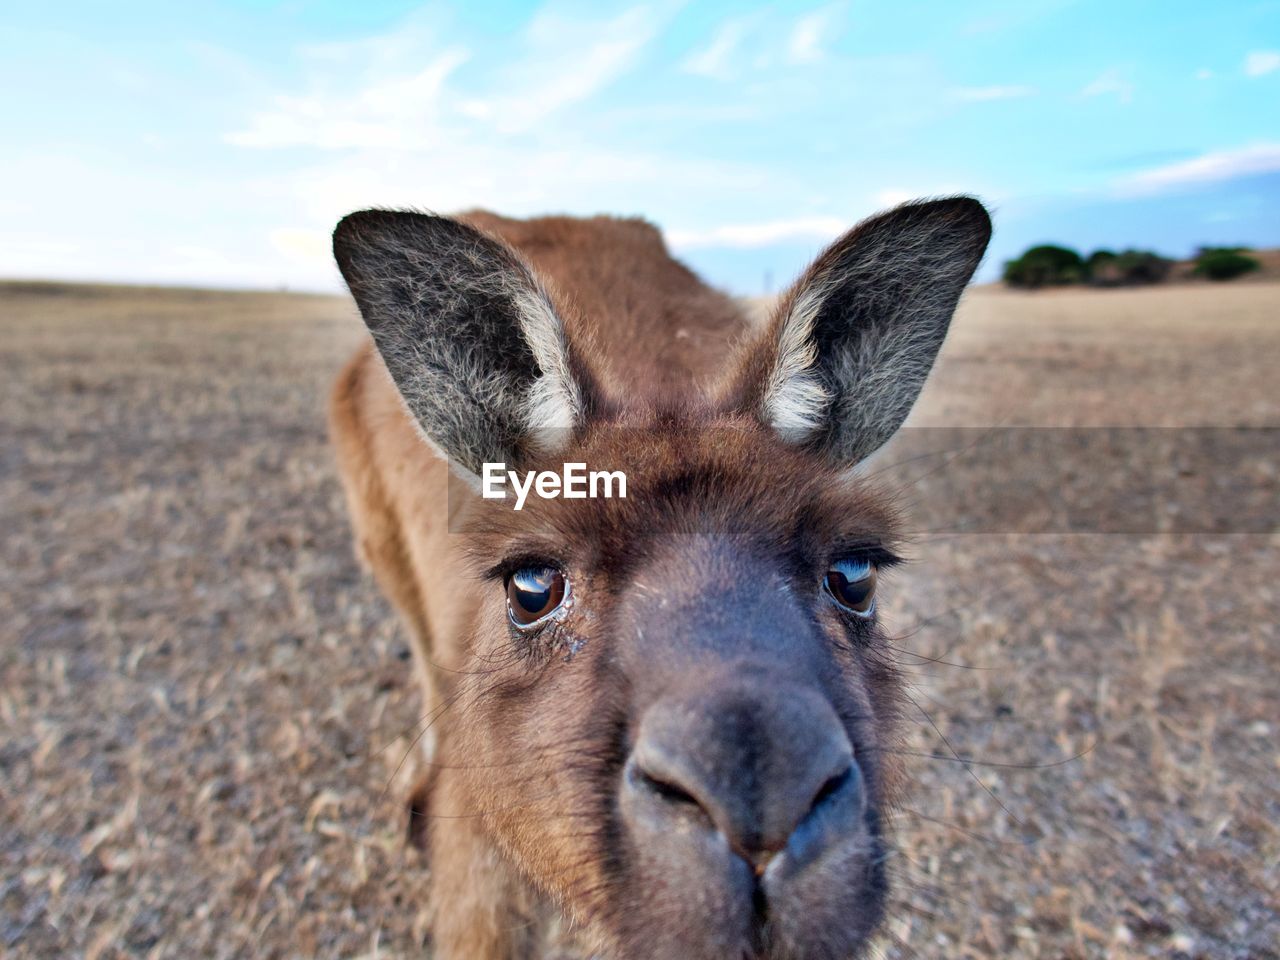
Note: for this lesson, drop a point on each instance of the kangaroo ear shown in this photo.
(850, 345)
(469, 336)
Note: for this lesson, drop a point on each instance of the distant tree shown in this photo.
(1142, 266)
(1102, 270)
(1043, 266)
(1224, 263)
(1129, 267)
(1048, 265)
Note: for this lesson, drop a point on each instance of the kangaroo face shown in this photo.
(684, 724)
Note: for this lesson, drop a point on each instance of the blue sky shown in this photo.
(218, 143)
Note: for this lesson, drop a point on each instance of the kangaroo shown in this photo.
(663, 724)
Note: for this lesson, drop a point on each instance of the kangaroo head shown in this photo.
(678, 719)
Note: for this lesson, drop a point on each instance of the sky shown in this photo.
(218, 143)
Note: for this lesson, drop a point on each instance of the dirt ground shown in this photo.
(206, 709)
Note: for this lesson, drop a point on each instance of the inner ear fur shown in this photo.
(849, 346)
(467, 332)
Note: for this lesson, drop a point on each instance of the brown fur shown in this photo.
(665, 331)
(651, 325)
(524, 831)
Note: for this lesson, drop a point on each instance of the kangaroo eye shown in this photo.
(534, 593)
(852, 584)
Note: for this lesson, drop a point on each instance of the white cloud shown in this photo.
(814, 229)
(746, 235)
(1206, 168)
(1204, 73)
(1110, 82)
(713, 59)
(805, 43)
(42, 246)
(520, 138)
(1261, 62)
(979, 94)
(390, 112)
(581, 177)
(402, 96)
(569, 61)
(306, 247)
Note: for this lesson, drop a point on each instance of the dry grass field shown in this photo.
(205, 706)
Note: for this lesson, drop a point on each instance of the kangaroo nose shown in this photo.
(769, 774)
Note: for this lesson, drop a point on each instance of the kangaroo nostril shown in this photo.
(653, 773)
(671, 792)
(832, 786)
